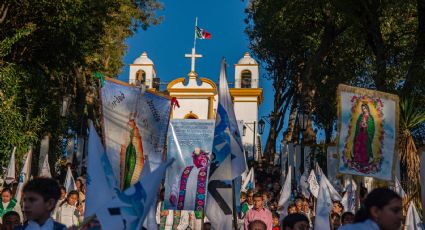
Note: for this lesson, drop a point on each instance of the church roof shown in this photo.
(247, 60)
(143, 59)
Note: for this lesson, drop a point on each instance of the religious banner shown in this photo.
(135, 127)
(367, 129)
(190, 144)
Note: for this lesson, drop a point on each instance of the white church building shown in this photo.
(197, 96)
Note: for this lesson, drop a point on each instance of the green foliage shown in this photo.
(309, 47)
(411, 115)
(49, 49)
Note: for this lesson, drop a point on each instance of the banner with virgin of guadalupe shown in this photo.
(190, 144)
(367, 129)
(135, 125)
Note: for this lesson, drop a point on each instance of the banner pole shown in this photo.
(235, 217)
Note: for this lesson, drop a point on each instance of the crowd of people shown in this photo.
(68, 209)
(46, 205)
(259, 210)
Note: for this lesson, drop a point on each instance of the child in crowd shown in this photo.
(69, 212)
(337, 207)
(266, 198)
(62, 199)
(292, 208)
(11, 220)
(276, 225)
(8, 203)
(40, 197)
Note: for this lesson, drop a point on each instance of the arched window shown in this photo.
(191, 115)
(246, 78)
(140, 77)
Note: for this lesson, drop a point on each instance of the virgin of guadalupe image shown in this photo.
(363, 144)
(363, 137)
(189, 188)
(131, 156)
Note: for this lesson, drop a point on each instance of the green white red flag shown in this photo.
(202, 34)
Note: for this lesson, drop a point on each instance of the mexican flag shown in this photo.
(202, 34)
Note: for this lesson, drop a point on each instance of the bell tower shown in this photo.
(246, 72)
(142, 72)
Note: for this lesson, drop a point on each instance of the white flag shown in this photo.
(100, 176)
(313, 185)
(227, 144)
(24, 176)
(45, 168)
(413, 221)
(10, 175)
(304, 185)
(129, 209)
(349, 199)
(229, 161)
(333, 193)
(324, 207)
(249, 182)
(69, 181)
(398, 189)
(285, 194)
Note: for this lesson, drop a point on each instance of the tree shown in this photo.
(309, 47)
(69, 41)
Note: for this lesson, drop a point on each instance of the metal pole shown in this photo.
(253, 142)
(302, 155)
(235, 216)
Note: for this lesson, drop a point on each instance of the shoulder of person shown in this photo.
(58, 226)
(20, 227)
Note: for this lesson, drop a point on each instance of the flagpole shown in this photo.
(235, 217)
(194, 36)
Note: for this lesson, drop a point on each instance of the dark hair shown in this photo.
(379, 198)
(72, 192)
(10, 213)
(63, 188)
(290, 220)
(339, 203)
(275, 214)
(6, 190)
(45, 187)
(292, 205)
(257, 222)
(346, 214)
(258, 195)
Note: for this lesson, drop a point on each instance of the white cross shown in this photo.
(193, 56)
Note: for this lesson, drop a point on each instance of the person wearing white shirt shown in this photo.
(40, 198)
(171, 219)
(382, 209)
(68, 213)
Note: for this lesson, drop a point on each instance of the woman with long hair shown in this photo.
(382, 210)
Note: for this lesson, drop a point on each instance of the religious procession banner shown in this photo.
(367, 129)
(190, 144)
(135, 126)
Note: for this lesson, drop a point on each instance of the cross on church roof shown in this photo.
(193, 56)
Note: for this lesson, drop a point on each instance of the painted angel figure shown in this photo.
(190, 189)
(363, 137)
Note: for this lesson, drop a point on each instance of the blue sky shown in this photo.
(168, 42)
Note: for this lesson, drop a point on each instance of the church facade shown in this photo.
(198, 96)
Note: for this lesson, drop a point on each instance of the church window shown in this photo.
(246, 78)
(140, 77)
